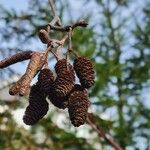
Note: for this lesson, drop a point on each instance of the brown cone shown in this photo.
(37, 107)
(57, 101)
(84, 71)
(61, 67)
(65, 79)
(46, 80)
(78, 103)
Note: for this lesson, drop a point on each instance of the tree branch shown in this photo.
(81, 23)
(56, 24)
(56, 19)
(70, 40)
(91, 121)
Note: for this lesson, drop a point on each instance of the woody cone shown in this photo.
(85, 72)
(78, 104)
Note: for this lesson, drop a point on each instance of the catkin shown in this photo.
(15, 59)
(36, 62)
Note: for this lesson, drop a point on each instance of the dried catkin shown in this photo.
(14, 89)
(46, 80)
(38, 106)
(65, 79)
(78, 104)
(15, 59)
(36, 62)
(85, 72)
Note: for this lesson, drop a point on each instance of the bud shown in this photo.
(44, 37)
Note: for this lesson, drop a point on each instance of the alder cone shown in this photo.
(65, 79)
(37, 107)
(57, 101)
(62, 66)
(62, 86)
(46, 80)
(78, 104)
(85, 72)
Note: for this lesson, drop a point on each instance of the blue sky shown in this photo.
(17, 4)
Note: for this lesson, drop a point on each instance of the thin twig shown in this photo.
(56, 19)
(70, 40)
(69, 46)
(64, 39)
(51, 46)
(91, 121)
(81, 23)
(70, 49)
(49, 49)
(51, 2)
(54, 42)
(58, 55)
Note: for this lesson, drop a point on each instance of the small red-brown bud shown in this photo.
(44, 37)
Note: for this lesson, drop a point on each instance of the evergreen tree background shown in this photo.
(118, 42)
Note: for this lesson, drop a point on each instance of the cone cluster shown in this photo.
(63, 84)
(62, 91)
